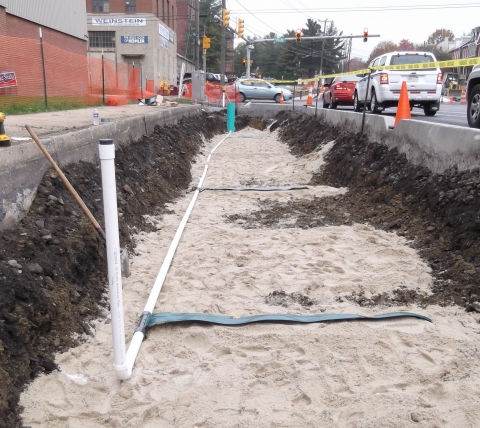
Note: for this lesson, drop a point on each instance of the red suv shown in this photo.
(340, 91)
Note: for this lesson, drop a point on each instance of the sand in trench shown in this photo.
(350, 374)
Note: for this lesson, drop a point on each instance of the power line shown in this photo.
(367, 8)
(275, 31)
(289, 4)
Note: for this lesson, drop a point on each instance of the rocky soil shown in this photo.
(53, 268)
(438, 213)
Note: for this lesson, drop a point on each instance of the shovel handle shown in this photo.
(67, 183)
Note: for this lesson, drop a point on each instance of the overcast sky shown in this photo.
(393, 20)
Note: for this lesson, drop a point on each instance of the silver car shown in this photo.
(258, 89)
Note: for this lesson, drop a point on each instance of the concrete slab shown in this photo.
(69, 136)
(59, 122)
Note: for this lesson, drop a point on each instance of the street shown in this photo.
(449, 114)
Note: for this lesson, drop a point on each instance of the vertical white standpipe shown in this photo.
(107, 160)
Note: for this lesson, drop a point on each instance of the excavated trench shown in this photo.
(53, 267)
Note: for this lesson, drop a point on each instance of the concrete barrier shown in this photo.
(23, 166)
(435, 146)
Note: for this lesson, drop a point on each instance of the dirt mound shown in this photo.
(244, 121)
(439, 213)
(52, 265)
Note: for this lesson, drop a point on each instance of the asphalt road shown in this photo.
(449, 114)
(454, 114)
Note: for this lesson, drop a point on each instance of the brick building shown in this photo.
(465, 47)
(138, 34)
(187, 14)
(63, 26)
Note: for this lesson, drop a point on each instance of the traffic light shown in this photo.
(206, 42)
(251, 62)
(225, 17)
(244, 62)
(240, 27)
(298, 34)
(365, 34)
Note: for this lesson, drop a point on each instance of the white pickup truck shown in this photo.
(424, 85)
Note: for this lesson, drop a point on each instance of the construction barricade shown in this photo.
(62, 77)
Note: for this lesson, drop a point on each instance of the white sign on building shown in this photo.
(127, 21)
(163, 31)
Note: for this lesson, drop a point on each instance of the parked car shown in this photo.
(214, 77)
(258, 89)
(424, 84)
(340, 91)
(473, 98)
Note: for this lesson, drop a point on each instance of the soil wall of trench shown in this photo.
(53, 270)
(53, 278)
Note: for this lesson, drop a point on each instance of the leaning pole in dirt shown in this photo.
(107, 157)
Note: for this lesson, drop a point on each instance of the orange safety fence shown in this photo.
(213, 93)
(70, 78)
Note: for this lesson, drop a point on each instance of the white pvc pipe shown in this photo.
(107, 156)
(139, 334)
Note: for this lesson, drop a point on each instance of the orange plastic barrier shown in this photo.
(213, 92)
(70, 79)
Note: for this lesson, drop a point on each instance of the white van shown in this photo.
(424, 85)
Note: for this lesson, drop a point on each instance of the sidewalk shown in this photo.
(59, 122)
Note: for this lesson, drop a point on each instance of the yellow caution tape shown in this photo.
(466, 62)
(445, 64)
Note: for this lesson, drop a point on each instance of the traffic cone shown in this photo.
(463, 99)
(309, 98)
(403, 108)
(451, 100)
(281, 98)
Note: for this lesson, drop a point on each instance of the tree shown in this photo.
(240, 52)
(309, 58)
(405, 45)
(308, 53)
(441, 55)
(439, 36)
(210, 25)
(287, 63)
(357, 64)
(381, 48)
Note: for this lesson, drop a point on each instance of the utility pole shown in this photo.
(323, 46)
(222, 55)
(204, 56)
(349, 53)
(197, 35)
(247, 72)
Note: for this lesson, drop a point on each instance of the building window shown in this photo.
(130, 5)
(168, 13)
(101, 39)
(100, 5)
